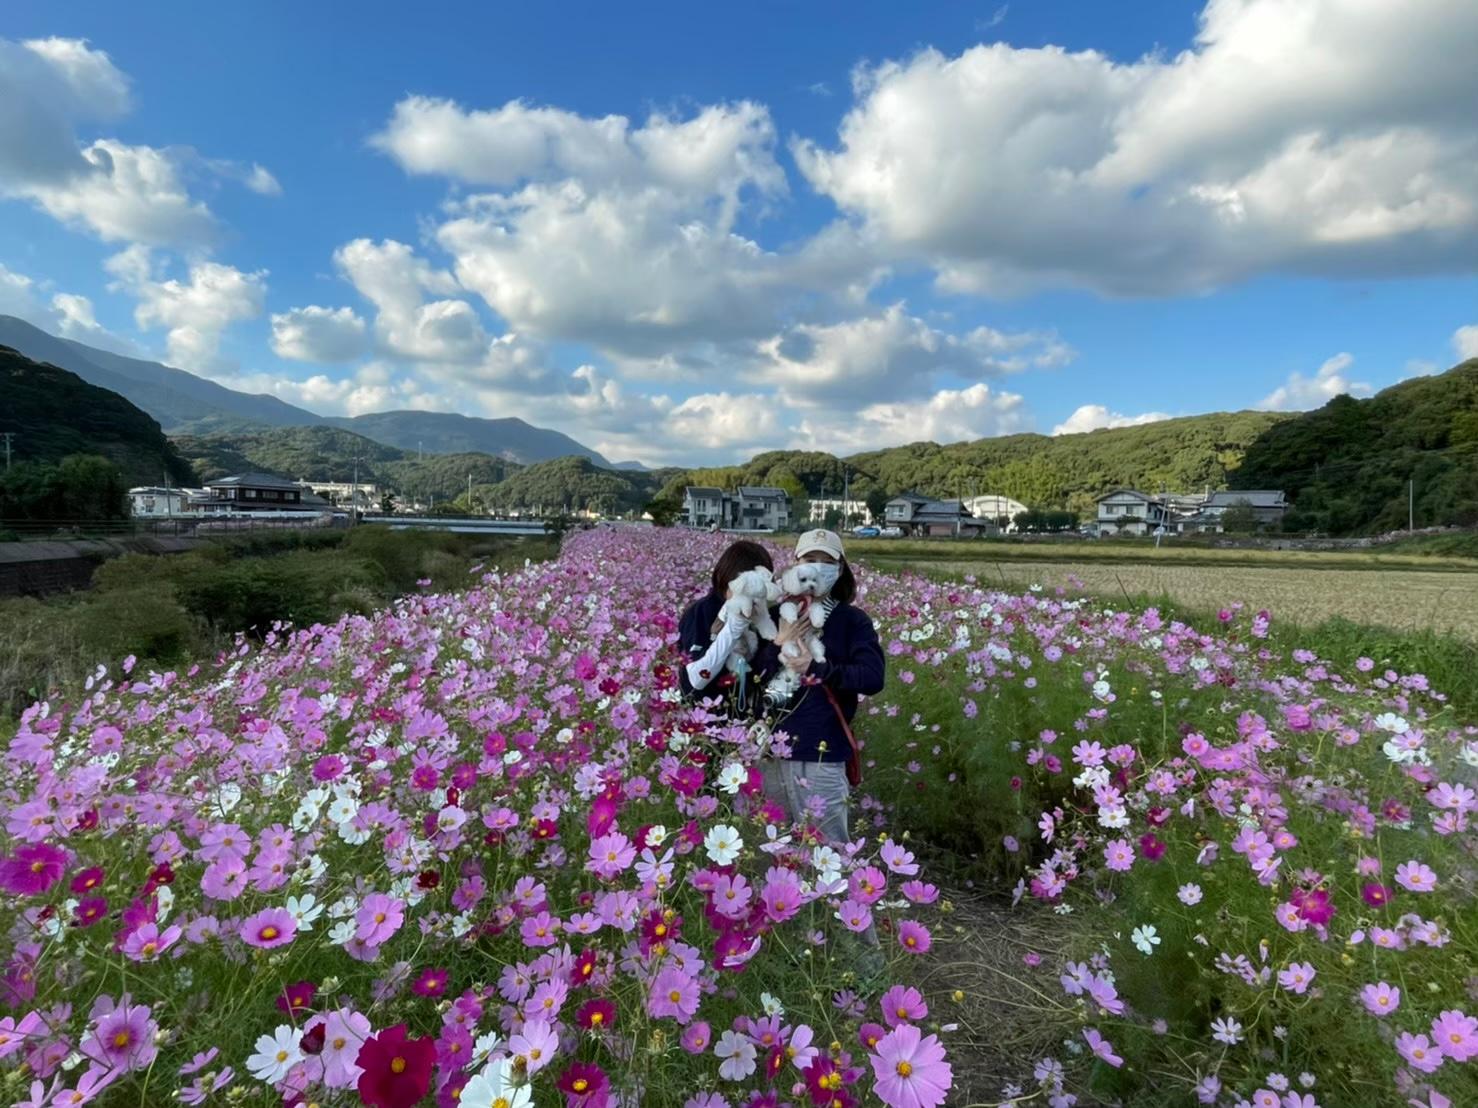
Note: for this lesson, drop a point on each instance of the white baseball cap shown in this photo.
(820, 539)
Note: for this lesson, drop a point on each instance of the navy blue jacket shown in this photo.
(854, 667)
(695, 636)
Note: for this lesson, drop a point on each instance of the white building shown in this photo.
(1131, 512)
(153, 502)
(1001, 510)
(857, 510)
(365, 495)
(752, 508)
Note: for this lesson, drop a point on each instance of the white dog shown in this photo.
(750, 597)
(802, 616)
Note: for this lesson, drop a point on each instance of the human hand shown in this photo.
(798, 662)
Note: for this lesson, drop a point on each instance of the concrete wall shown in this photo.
(37, 568)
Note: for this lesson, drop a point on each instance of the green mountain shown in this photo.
(329, 454)
(1358, 466)
(572, 484)
(53, 413)
(450, 433)
(1066, 471)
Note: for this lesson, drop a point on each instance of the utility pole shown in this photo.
(354, 493)
(1411, 504)
(8, 436)
(846, 494)
(469, 490)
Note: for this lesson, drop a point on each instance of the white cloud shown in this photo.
(1300, 393)
(1465, 342)
(18, 295)
(1318, 138)
(892, 355)
(1090, 417)
(195, 313)
(950, 415)
(396, 281)
(261, 181)
(314, 334)
(47, 86)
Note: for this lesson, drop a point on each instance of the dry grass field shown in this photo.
(1443, 600)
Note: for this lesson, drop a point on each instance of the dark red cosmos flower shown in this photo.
(1375, 894)
(397, 1069)
(88, 879)
(1151, 847)
(1313, 905)
(428, 879)
(584, 968)
(298, 997)
(546, 829)
(313, 1039)
(585, 1086)
(594, 1015)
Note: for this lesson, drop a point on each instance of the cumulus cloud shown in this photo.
(1321, 138)
(119, 191)
(1465, 341)
(194, 313)
(315, 334)
(949, 415)
(1090, 417)
(1300, 393)
(391, 276)
(890, 355)
(18, 295)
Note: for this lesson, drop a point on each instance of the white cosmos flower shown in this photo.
(276, 1054)
(343, 809)
(656, 835)
(494, 1088)
(1146, 938)
(1101, 689)
(771, 1005)
(731, 777)
(304, 910)
(1390, 721)
(723, 844)
(165, 897)
(341, 932)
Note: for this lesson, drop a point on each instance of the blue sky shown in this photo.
(684, 233)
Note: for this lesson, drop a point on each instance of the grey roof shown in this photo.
(155, 490)
(702, 490)
(762, 492)
(1258, 498)
(255, 481)
(913, 497)
(1121, 491)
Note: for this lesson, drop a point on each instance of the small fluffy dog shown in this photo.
(802, 616)
(750, 597)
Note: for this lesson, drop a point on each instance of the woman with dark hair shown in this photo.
(706, 642)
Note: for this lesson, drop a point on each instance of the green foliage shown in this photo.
(55, 414)
(1044, 520)
(1346, 466)
(573, 484)
(1239, 517)
(80, 487)
(877, 503)
(664, 510)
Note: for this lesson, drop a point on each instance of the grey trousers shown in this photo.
(790, 784)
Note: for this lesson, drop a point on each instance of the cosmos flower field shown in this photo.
(474, 850)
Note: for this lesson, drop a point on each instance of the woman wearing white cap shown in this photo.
(811, 782)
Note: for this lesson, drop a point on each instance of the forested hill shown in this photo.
(1350, 466)
(52, 413)
(1064, 470)
(328, 454)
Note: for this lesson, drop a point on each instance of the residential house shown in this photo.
(751, 508)
(256, 492)
(365, 496)
(920, 515)
(155, 502)
(1131, 512)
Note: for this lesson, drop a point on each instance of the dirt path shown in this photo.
(1010, 1014)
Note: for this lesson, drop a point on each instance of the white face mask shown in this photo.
(826, 577)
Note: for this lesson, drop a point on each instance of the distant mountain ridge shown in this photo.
(186, 404)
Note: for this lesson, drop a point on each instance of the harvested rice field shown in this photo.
(1404, 599)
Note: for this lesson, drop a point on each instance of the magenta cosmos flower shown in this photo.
(674, 994)
(268, 928)
(123, 1038)
(33, 869)
(914, 937)
(902, 1003)
(910, 1069)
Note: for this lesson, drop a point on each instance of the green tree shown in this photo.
(387, 502)
(664, 510)
(877, 504)
(1239, 518)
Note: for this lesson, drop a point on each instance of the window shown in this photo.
(251, 494)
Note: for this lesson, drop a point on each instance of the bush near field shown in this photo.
(164, 609)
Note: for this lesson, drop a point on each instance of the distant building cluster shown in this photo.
(1131, 512)
(253, 493)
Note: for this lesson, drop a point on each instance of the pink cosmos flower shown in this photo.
(901, 1004)
(540, 929)
(1456, 1035)
(269, 928)
(378, 919)
(123, 1037)
(910, 1069)
(897, 859)
(1380, 999)
(345, 1031)
(610, 855)
(33, 869)
(1419, 1052)
(696, 1037)
(536, 1044)
(914, 937)
(854, 916)
(1119, 855)
(146, 943)
(1416, 877)
(1296, 977)
(1102, 1047)
(675, 994)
